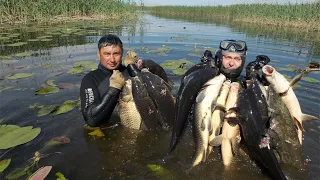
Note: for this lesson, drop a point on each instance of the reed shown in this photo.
(294, 15)
(12, 11)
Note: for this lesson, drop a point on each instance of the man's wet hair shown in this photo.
(110, 40)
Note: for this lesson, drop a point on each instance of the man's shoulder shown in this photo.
(92, 75)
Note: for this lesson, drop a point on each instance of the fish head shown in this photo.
(132, 55)
(126, 93)
(276, 80)
(269, 73)
(140, 64)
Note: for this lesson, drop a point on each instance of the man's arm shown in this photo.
(95, 109)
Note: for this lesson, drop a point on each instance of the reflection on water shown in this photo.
(122, 153)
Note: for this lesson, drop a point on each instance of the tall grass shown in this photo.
(44, 10)
(296, 15)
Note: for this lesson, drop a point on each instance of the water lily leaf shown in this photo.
(78, 85)
(87, 64)
(47, 110)
(195, 54)
(47, 90)
(6, 88)
(97, 133)
(17, 44)
(4, 164)
(15, 174)
(55, 74)
(18, 67)
(76, 70)
(19, 76)
(90, 128)
(57, 141)
(9, 61)
(46, 40)
(1, 120)
(41, 173)
(46, 66)
(308, 79)
(67, 106)
(5, 57)
(173, 64)
(179, 71)
(60, 176)
(17, 135)
(24, 54)
(159, 170)
(65, 86)
(284, 69)
(33, 40)
(51, 83)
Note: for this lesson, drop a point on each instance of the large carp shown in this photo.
(279, 83)
(229, 138)
(129, 115)
(153, 67)
(204, 105)
(254, 131)
(189, 88)
(284, 137)
(150, 115)
(160, 94)
(218, 113)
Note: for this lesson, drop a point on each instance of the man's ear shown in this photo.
(98, 53)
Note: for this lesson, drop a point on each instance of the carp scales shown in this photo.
(279, 83)
(129, 115)
(204, 105)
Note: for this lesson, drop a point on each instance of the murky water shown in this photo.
(122, 153)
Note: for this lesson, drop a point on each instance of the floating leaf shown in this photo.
(9, 61)
(173, 64)
(87, 64)
(78, 85)
(60, 176)
(14, 136)
(46, 66)
(33, 106)
(179, 71)
(18, 67)
(15, 174)
(17, 44)
(97, 133)
(33, 40)
(195, 54)
(55, 74)
(24, 54)
(67, 106)
(51, 83)
(90, 128)
(46, 110)
(284, 69)
(76, 70)
(47, 90)
(65, 86)
(5, 57)
(6, 88)
(310, 79)
(46, 40)
(4, 164)
(159, 170)
(41, 173)
(19, 76)
(1, 120)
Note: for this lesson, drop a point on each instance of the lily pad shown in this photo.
(60, 176)
(1, 120)
(5, 57)
(47, 90)
(65, 86)
(195, 54)
(55, 74)
(87, 64)
(33, 40)
(179, 71)
(18, 67)
(310, 79)
(15, 174)
(67, 106)
(159, 170)
(4, 164)
(46, 40)
(9, 61)
(6, 88)
(24, 54)
(51, 83)
(284, 69)
(12, 135)
(41, 173)
(174, 64)
(19, 76)
(57, 141)
(46, 66)
(45, 110)
(17, 44)
(76, 70)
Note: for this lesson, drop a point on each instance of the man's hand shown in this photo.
(131, 58)
(117, 80)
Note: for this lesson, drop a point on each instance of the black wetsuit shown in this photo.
(98, 100)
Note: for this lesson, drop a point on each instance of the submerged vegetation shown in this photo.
(287, 15)
(24, 11)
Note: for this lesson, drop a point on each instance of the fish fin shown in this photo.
(215, 105)
(203, 124)
(216, 141)
(204, 156)
(298, 124)
(200, 97)
(308, 117)
(233, 109)
(232, 121)
(295, 80)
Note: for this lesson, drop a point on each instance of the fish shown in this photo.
(217, 116)
(161, 96)
(129, 114)
(204, 106)
(230, 134)
(254, 131)
(279, 83)
(201, 65)
(283, 136)
(153, 67)
(187, 93)
(151, 118)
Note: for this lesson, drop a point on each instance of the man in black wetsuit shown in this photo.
(100, 89)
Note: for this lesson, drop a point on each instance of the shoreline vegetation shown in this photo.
(53, 11)
(304, 16)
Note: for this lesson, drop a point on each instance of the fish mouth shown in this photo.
(139, 63)
(268, 70)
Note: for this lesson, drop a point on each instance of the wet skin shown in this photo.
(231, 61)
(110, 56)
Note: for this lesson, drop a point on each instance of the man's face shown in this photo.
(231, 61)
(110, 56)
